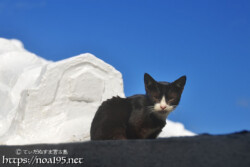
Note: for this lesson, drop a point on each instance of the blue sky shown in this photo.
(209, 41)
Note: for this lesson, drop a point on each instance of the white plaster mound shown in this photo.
(54, 102)
(18, 71)
(175, 129)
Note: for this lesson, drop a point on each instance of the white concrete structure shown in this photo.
(53, 102)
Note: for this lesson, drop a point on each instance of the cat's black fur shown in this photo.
(136, 117)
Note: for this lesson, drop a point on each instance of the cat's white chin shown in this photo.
(162, 114)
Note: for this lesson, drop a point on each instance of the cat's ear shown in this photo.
(180, 83)
(150, 83)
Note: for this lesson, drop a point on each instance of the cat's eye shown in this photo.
(156, 98)
(171, 100)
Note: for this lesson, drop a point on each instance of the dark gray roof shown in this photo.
(199, 151)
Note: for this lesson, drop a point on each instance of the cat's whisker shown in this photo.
(151, 108)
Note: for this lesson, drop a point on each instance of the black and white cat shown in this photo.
(138, 116)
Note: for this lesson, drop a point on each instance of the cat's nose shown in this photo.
(163, 107)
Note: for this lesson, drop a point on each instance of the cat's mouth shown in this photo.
(163, 111)
(163, 108)
(159, 110)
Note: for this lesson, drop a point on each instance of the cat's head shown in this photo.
(164, 96)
